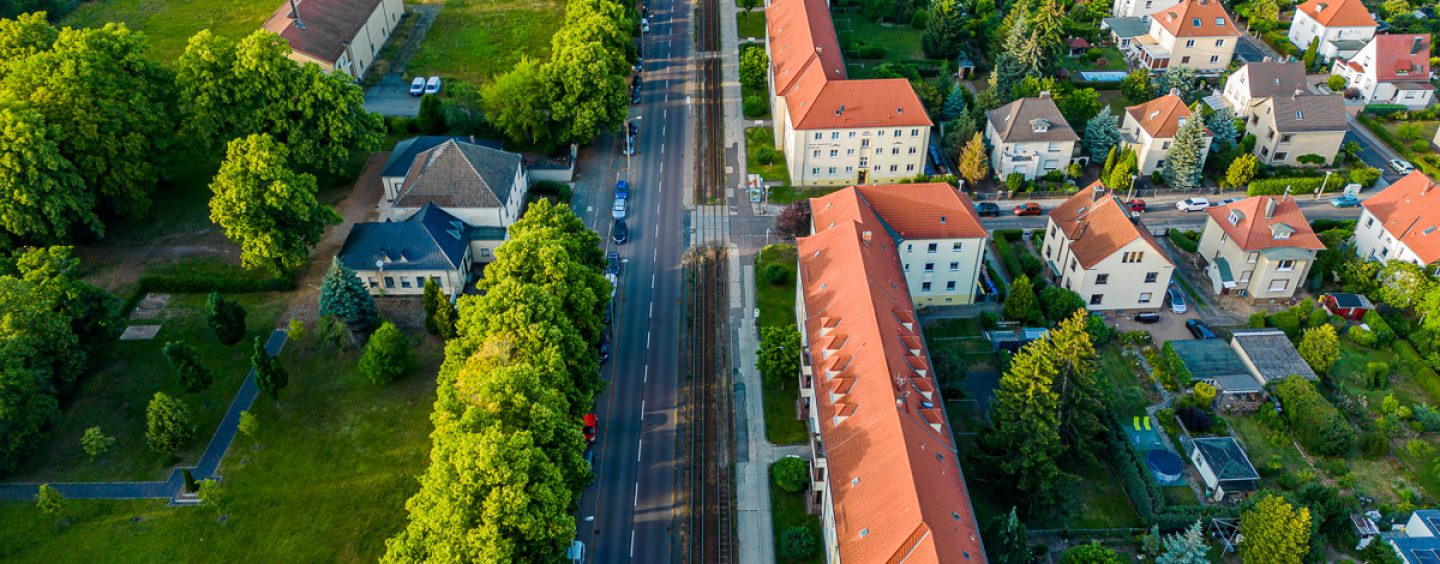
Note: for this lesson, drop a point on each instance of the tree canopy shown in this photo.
(266, 207)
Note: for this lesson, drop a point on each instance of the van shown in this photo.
(1147, 317)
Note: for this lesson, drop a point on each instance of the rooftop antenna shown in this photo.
(295, 13)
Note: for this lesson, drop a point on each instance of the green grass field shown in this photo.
(325, 480)
(750, 24)
(1114, 61)
(788, 510)
(785, 195)
(170, 23)
(901, 42)
(473, 40)
(115, 396)
(777, 308)
(755, 138)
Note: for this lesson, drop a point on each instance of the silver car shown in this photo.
(1177, 299)
(617, 211)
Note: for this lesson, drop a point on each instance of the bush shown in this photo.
(1257, 320)
(1014, 182)
(1384, 110)
(919, 19)
(386, 355)
(1377, 374)
(1362, 336)
(168, 424)
(775, 274)
(1420, 371)
(1100, 332)
(797, 543)
(1093, 53)
(1410, 131)
(1316, 423)
(1286, 321)
(1336, 83)
(1419, 145)
(755, 106)
(792, 474)
(1204, 394)
(226, 318)
(1374, 444)
(1317, 318)
(1377, 324)
(1297, 185)
(1184, 241)
(765, 155)
(1031, 265)
(1365, 176)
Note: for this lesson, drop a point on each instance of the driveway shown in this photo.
(1251, 50)
(391, 97)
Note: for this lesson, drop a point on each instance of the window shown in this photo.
(954, 267)
(1101, 279)
(371, 282)
(894, 168)
(1151, 277)
(879, 150)
(404, 282)
(1216, 58)
(1145, 297)
(894, 150)
(1186, 59)
(851, 135)
(438, 281)
(864, 162)
(914, 132)
(950, 286)
(834, 152)
(1053, 147)
(1299, 115)
(1160, 163)
(849, 169)
(1285, 266)
(1195, 22)
(849, 152)
(1095, 299)
(910, 168)
(1220, 22)
(882, 133)
(817, 136)
(929, 267)
(1245, 276)
(419, 281)
(389, 282)
(1252, 258)
(1286, 138)
(1132, 257)
(1190, 42)
(832, 170)
(932, 248)
(1219, 43)
(907, 267)
(1279, 285)
(1072, 264)
(834, 134)
(1369, 222)
(897, 132)
(909, 247)
(957, 247)
(925, 287)
(1164, 145)
(914, 150)
(1052, 231)
(1264, 152)
(1281, 155)
(815, 153)
(484, 252)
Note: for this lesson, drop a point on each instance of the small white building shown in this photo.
(339, 35)
(1096, 248)
(1150, 128)
(1029, 137)
(1401, 222)
(1342, 27)
(1391, 69)
(1223, 465)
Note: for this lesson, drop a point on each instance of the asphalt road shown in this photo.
(627, 514)
(1162, 213)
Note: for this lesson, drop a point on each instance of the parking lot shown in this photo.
(391, 97)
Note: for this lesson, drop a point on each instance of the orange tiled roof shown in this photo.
(1161, 117)
(1402, 57)
(1255, 231)
(932, 210)
(801, 35)
(1098, 225)
(1197, 18)
(1409, 210)
(893, 470)
(1338, 13)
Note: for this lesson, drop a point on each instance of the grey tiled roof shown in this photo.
(403, 155)
(459, 175)
(1315, 113)
(428, 240)
(1273, 78)
(1014, 122)
(1272, 354)
(1213, 359)
(1225, 458)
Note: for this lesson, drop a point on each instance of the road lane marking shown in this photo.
(647, 340)
(652, 310)
(646, 379)
(652, 276)
(636, 502)
(642, 410)
(632, 543)
(639, 447)
(663, 114)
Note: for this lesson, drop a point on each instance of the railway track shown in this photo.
(712, 515)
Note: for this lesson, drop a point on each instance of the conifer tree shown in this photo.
(1102, 135)
(974, 163)
(1186, 160)
(1222, 125)
(344, 296)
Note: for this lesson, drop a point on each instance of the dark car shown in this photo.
(634, 128)
(1147, 317)
(987, 209)
(612, 260)
(1027, 208)
(1199, 329)
(604, 348)
(1136, 205)
(635, 96)
(620, 233)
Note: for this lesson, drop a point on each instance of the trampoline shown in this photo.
(1166, 466)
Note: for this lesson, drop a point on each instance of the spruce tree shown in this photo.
(1185, 548)
(186, 363)
(1222, 125)
(226, 318)
(344, 296)
(1186, 160)
(1081, 408)
(1011, 542)
(954, 104)
(270, 376)
(1102, 134)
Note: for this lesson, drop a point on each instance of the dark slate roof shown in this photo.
(459, 175)
(1272, 354)
(1225, 458)
(1213, 359)
(428, 240)
(404, 152)
(1015, 122)
(1298, 114)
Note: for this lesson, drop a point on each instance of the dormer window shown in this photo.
(1235, 217)
(1181, 122)
(1299, 115)
(1040, 125)
(1280, 231)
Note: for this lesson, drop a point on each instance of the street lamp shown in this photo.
(1323, 183)
(1131, 194)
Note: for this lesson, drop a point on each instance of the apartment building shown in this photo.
(339, 35)
(1402, 222)
(834, 131)
(1096, 248)
(1391, 69)
(1150, 128)
(1255, 81)
(1289, 127)
(1139, 8)
(1198, 34)
(1260, 248)
(885, 469)
(1029, 137)
(1342, 27)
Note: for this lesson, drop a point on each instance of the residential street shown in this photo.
(1162, 212)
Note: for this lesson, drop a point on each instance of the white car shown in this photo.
(617, 211)
(614, 284)
(1401, 167)
(432, 86)
(1192, 204)
(418, 86)
(645, 25)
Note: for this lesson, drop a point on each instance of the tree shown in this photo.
(1222, 125)
(168, 425)
(249, 424)
(432, 300)
(213, 495)
(585, 88)
(445, 320)
(270, 376)
(1264, 14)
(1102, 134)
(1048, 23)
(791, 473)
(974, 163)
(1395, 8)
(267, 208)
(344, 296)
(1126, 169)
(797, 543)
(1010, 543)
(1185, 548)
(1275, 532)
(1241, 171)
(1060, 303)
(193, 376)
(226, 318)
(779, 357)
(1336, 83)
(48, 200)
(96, 442)
(1023, 443)
(386, 356)
(1320, 347)
(189, 486)
(1403, 284)
(754, 66)
(431, 119)
(1186, 160)
(794, 221)
(206, 96)
(1309, 57)
(955, 105)
(1020, 301)
(1183, 81)
(944, 32)
(24, 31)
(1080, 408)
(1091, 553)
(515, 103)
(50, 501)
(1079, 106)
(1136, 86)
(1110, 160)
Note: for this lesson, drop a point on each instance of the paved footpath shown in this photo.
(209, 461)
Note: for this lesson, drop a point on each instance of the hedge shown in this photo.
(1383, 110)
(1184, 241)
(1175, 366)
(1009, 256)
(1297, 185)
(1145, 494)
(203, 276)
(1420, 370)
(1011, 235)
(1313, 419)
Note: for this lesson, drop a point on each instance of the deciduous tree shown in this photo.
(47, 200)
(95, 442)
(515, 103)
(1137, 87)
(344, 296)
(226, 318)
(267, 208)
(754, 66)
(1320, 347)
(168, 425)
(794, 220)
(1091, 553)
(50, 501)
(386, 356)
(791, 473)
(193, 376)
(1275, 532)
(974, 163)
(779, 356)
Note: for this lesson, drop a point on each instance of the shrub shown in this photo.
(919, 19)
(1336, 83)
(1310, 159)
(1195, 419)
(168, 425)
(1377, 324)
(1365, 176)
(775, 274)
(226, 318)
(1317, 318)
(1316, 423)
(1384, 110)
(755, 106)
(386, 355)
(1184, 241)
(1257, 320)
(765, 155)
(1014, 182)
(1419, 145)
(791, 473)
(1362, 336)
(1204, 394)
(872, 51)
(1374, 444)
(1286, 321)
(1031, 265)
(1410, 131)
(1420, 371)
(797, 543)
(1100, 332)
(1377, 374)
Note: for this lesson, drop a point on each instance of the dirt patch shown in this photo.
(152, 306)
(358, 206)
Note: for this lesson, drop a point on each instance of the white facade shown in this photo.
(1150, 152)
(1304, 29)
(1139, 8)
(845, 157)
(1374, 242)
(1133, 277)
(942, 271)
(1031, 159)
(1412, 92)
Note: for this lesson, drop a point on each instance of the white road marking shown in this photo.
(646, 378)
(652, 276)
(642, 410)
(636, 502)
(647, 340)
(652, 310)
(632, 543)
(639, 446)
(663, 113)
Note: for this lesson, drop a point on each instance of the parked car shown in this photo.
(604, 348)
(1225, 202)
(1401, 167)
(622, 189)
(987, 209)
(619, 234)
(1177, 299)
(590, 458)
(612, 263)
(614, 285)
(1027, 208)
(1345, 201)
(1136, 205)
(1199, 329)
(576, 553)
(630, 146)
(589, 425)
(1192, 204)
(417, 86)
(1147, 317)
(645, 25)
(432, 86)
(634, 129)
(617, 211)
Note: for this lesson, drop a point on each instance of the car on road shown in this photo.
(629, 146)
(1225, 202)
(432, 86)
(417, 87)
(1401, 167)
(617, 211)
(1345, 201)
(1147, 317)
(1136, 205)
(589, 424)
(987, 209)
(634, 129)
(1192, 204)
(635, 96)
(604, 348)
(622, 189)
(612, 263)
(576, 553)
(645, 25)
(1027, 208)
(1199, 329)
(1177, 299)
(619, 234)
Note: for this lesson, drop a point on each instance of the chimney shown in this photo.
(1174, 91)
(1044, 93)
(1428, 186)
(1321, 7)
(1270, 204)
(1415, 47)
(295, 14)
(1098, 193)
(866, 235)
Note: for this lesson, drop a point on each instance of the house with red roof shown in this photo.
(885, 467)
(1342, 27)
(835, 131)
(1260, 248)
(1402, 222)
(1097, 248)
(1198, 34)
(1391, 69)
(339, 35)
(1150, 128)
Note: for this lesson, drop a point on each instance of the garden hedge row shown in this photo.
(1419, 370)
(1297, 185)
(1183, 240)
(1313, 419)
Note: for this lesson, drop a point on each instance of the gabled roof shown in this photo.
(1018, 121)
(908, 211)
(1098, 226)
(459, 175)
(801, 35)
(1401, 57)
(1272, 78)
(1338, 13)
(329, 24)
(817, 103)
(1161, 117)
(1226, 459)
(403, 155)
(1409, 210)
(894, 473)
(431, 239)
(1261, 219)
(1214, 359)
(1272, 354)
(1306, 113)
(1197, 18)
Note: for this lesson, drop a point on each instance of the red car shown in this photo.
(1027, 208)
(591, 422)
(1136, 205)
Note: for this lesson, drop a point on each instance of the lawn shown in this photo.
(115, 396)
(325, 480)
(755, 138)
(169, 24)
(788, 510)
(958, 349)
(1265, 454)
(751, 24)
(786, 195)
(777, 309)
(1388, 132)
(901, 42)
(1094, 500)
(473, 40)
(1124, 393)
(1114, 61)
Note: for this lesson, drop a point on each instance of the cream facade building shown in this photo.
(1289, 127)
(341, 36)
(1095, 248)
(1198, 34)
(1401, 222)
(1139, 8)
(1029, 137)
(1149, 129)
(1255, 81)
(1391, 69)
(1341, 27)
(1261, 248)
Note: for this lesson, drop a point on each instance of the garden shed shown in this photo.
(1269, 355)
(1348, 306)
(1214, 362)
(1223, 465)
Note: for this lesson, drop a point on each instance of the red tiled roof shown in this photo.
(1338, 13)
(1197, 18)
(801, 35)
(328, 25)
(1402, 57)
(1409, 210)
(1098, 225)
(932, 210)
(1161, 117)
(893, 469)
(1255, 231)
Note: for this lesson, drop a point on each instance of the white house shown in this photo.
(1260, 247)
(1198, 34)
(1139, 8)
(339, 35)
(1265, 79)
(1150, 128)
(1029, 137)
(1223, 465)
(1402, 222)
(1342, 27)
(1391, 69)
(1096, 248)
(1287, 128)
